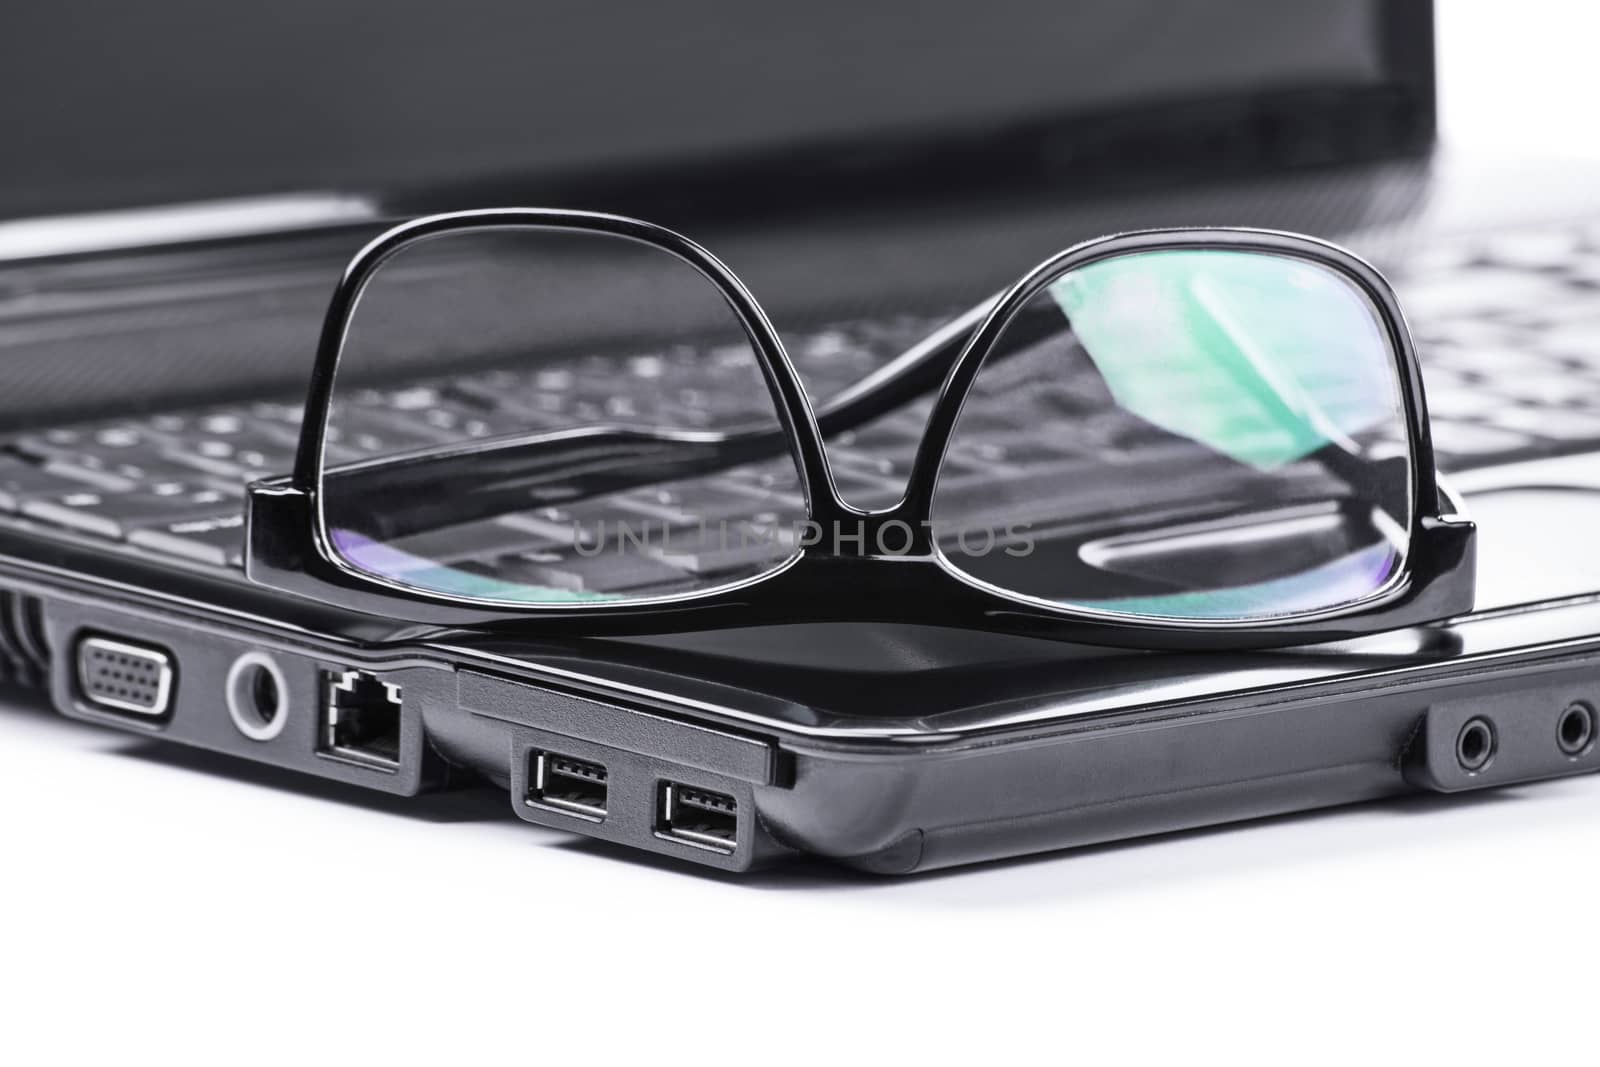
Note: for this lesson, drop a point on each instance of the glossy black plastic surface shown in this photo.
(841, 579)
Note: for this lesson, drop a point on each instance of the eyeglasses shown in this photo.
(1168, 439)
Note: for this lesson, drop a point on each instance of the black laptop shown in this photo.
(179, 220)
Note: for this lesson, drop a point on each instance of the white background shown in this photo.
(162, 906)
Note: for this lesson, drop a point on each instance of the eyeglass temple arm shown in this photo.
(918, 370)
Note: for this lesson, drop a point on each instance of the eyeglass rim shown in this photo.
(790, 399)
(1422, 486)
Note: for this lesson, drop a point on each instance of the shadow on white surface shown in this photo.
(1260, 850)
(470, 803)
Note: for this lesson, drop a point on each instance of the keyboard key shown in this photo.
(583, 523)
(1015, 449)
(1473, 440)
(1088, 487)
(152, 471)
(476, 541)
(979, 420)
(1462, 336)
(871, 464)
(78, 510)
(1549, 389)
(894, 438)
(1463, 403)
(114, 514)
(276, 413)
(607, 572)
(1483, 361)
(1551, 423)
(376, 431)
(276, 426)
(1578, 341)
(89, 472)
(1440, 258)
(1475, 292)
(117, 440)
(689, 504)
(232, 460)
(434, 411)
(726, 547)
(1532, 249)
(218, 539)
(20, 480)
(1584, 272)
(122, 456)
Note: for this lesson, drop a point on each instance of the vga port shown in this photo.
(117, 676)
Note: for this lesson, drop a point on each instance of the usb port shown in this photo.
(697, 817)
(574, 786)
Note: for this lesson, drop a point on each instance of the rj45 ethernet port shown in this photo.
(361, 720)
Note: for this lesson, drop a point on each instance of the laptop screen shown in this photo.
(178, 100)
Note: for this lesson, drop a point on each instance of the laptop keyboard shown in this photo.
(1508, 326)
(1509, 331)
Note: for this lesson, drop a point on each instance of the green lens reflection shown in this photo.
(1264, 358)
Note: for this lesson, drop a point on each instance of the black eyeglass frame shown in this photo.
(288, 548)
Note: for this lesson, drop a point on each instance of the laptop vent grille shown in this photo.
(24, 656)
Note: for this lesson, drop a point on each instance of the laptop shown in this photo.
(173, 237)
